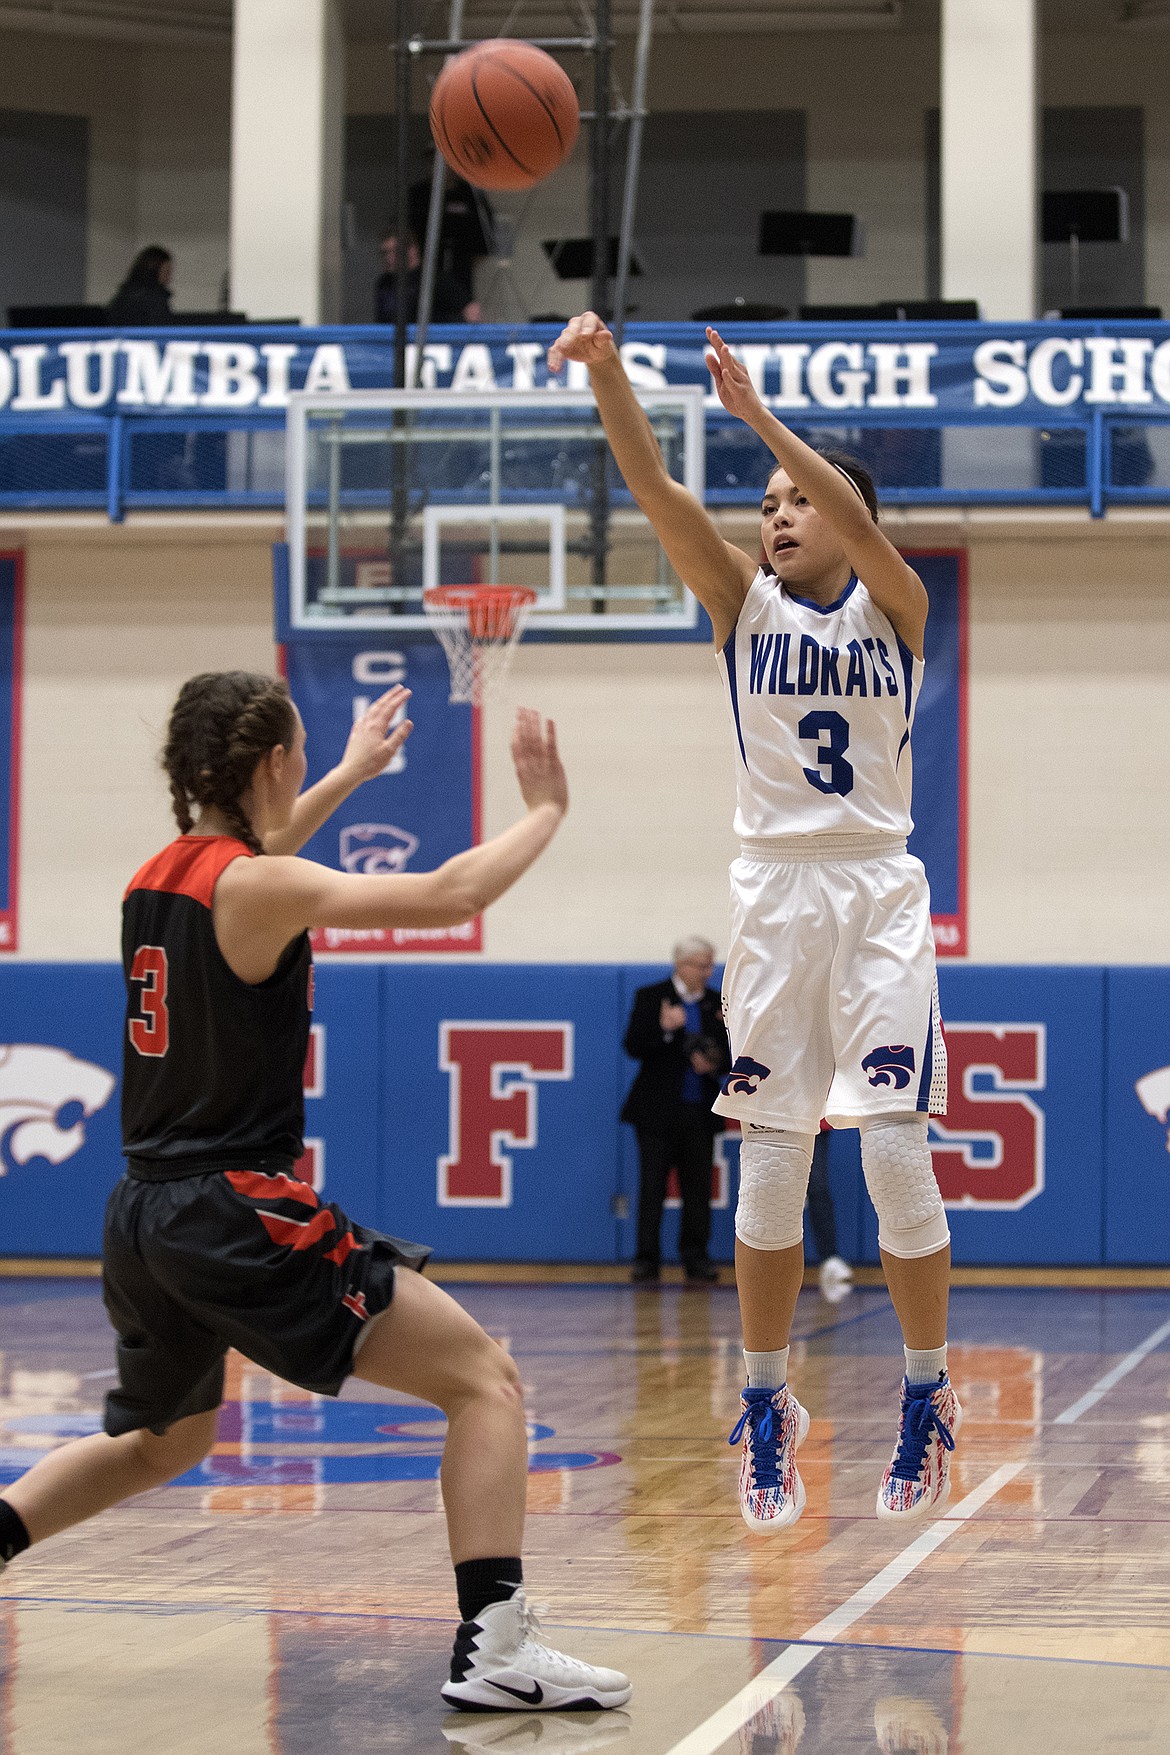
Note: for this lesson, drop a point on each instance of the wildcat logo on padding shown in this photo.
(374, 848)
(745, 1077)
(890, 1066)
(46, 1096)
(1153, 1092)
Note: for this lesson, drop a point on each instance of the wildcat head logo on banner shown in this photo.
(424, 807)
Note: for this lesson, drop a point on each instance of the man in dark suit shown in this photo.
(676, 1031)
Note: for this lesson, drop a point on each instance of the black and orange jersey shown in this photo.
(213, 1066)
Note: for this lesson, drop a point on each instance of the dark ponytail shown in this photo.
(222, 724)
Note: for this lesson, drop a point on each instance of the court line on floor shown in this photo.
(775, 1677)
(1104, 1384)
(722, 1725)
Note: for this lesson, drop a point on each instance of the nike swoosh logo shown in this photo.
(532, 1697)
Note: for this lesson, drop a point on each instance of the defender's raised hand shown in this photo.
(583, 338)
(372, 743)
(538, 765)
(735, 389)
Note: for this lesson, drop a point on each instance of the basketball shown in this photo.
(504, 114)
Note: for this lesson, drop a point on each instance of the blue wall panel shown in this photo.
(346, 1118)
(1137, 1107)
(501, 1101)
(1020, 1157)
(475, 1108)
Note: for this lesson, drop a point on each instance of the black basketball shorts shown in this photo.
(236, 1258)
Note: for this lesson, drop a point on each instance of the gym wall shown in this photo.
(1068, 735)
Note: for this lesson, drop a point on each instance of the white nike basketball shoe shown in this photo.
(500, 1664)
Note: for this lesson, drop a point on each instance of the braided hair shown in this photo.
(221, 725)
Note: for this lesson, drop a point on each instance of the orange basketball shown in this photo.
(504, 114)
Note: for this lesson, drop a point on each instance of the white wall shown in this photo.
(114, 623)
(160, 139)
(184, 112)
(1124, 67)
(158, 150)
(1069, 741)
(864, 94)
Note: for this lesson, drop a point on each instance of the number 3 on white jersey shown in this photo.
(838, 775)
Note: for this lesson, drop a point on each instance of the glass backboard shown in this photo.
(390, 492)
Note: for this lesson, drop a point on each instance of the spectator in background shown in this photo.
(676, 1031)
(143, 301)
(453, 302)
(465, 230)
(836, 1276)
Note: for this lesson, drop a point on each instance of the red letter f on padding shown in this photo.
(492, 1068)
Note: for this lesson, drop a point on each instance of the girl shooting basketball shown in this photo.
(211, 1242)
(829, 991)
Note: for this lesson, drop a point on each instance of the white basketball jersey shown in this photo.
(822, 702)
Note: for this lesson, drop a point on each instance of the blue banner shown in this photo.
(476, 1109)
(11, 679)
(892, 372)
(425, 807)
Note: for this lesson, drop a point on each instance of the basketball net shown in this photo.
(478, 627)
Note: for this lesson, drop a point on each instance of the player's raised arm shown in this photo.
(894, 586)
(262, 904)
(718, 573)
(376, 738)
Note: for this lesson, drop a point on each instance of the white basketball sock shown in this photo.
(929, 1366)
(766, 1370)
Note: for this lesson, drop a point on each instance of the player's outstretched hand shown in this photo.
(735, 389)
(583, 338)
(372, 743)
(538, 765)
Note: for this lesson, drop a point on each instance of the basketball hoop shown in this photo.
(478, 627)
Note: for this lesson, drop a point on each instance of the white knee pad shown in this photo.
(900, 1177)
(773, 1182)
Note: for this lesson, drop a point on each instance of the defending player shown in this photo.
(830, 991)
(211, 1242)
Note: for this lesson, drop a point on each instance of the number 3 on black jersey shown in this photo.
(831, 755)
(150, 1033)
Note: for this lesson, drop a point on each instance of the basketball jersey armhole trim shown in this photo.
(231, 849)
(212, 858)
(733, 690)
(908, 662)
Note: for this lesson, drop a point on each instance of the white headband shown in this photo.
(849, 479)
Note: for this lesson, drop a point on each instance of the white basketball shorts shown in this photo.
(830, 992)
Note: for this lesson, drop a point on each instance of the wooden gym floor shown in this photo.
(295, 1597)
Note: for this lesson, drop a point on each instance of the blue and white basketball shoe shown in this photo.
(772, 1426)
(918, 1479)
